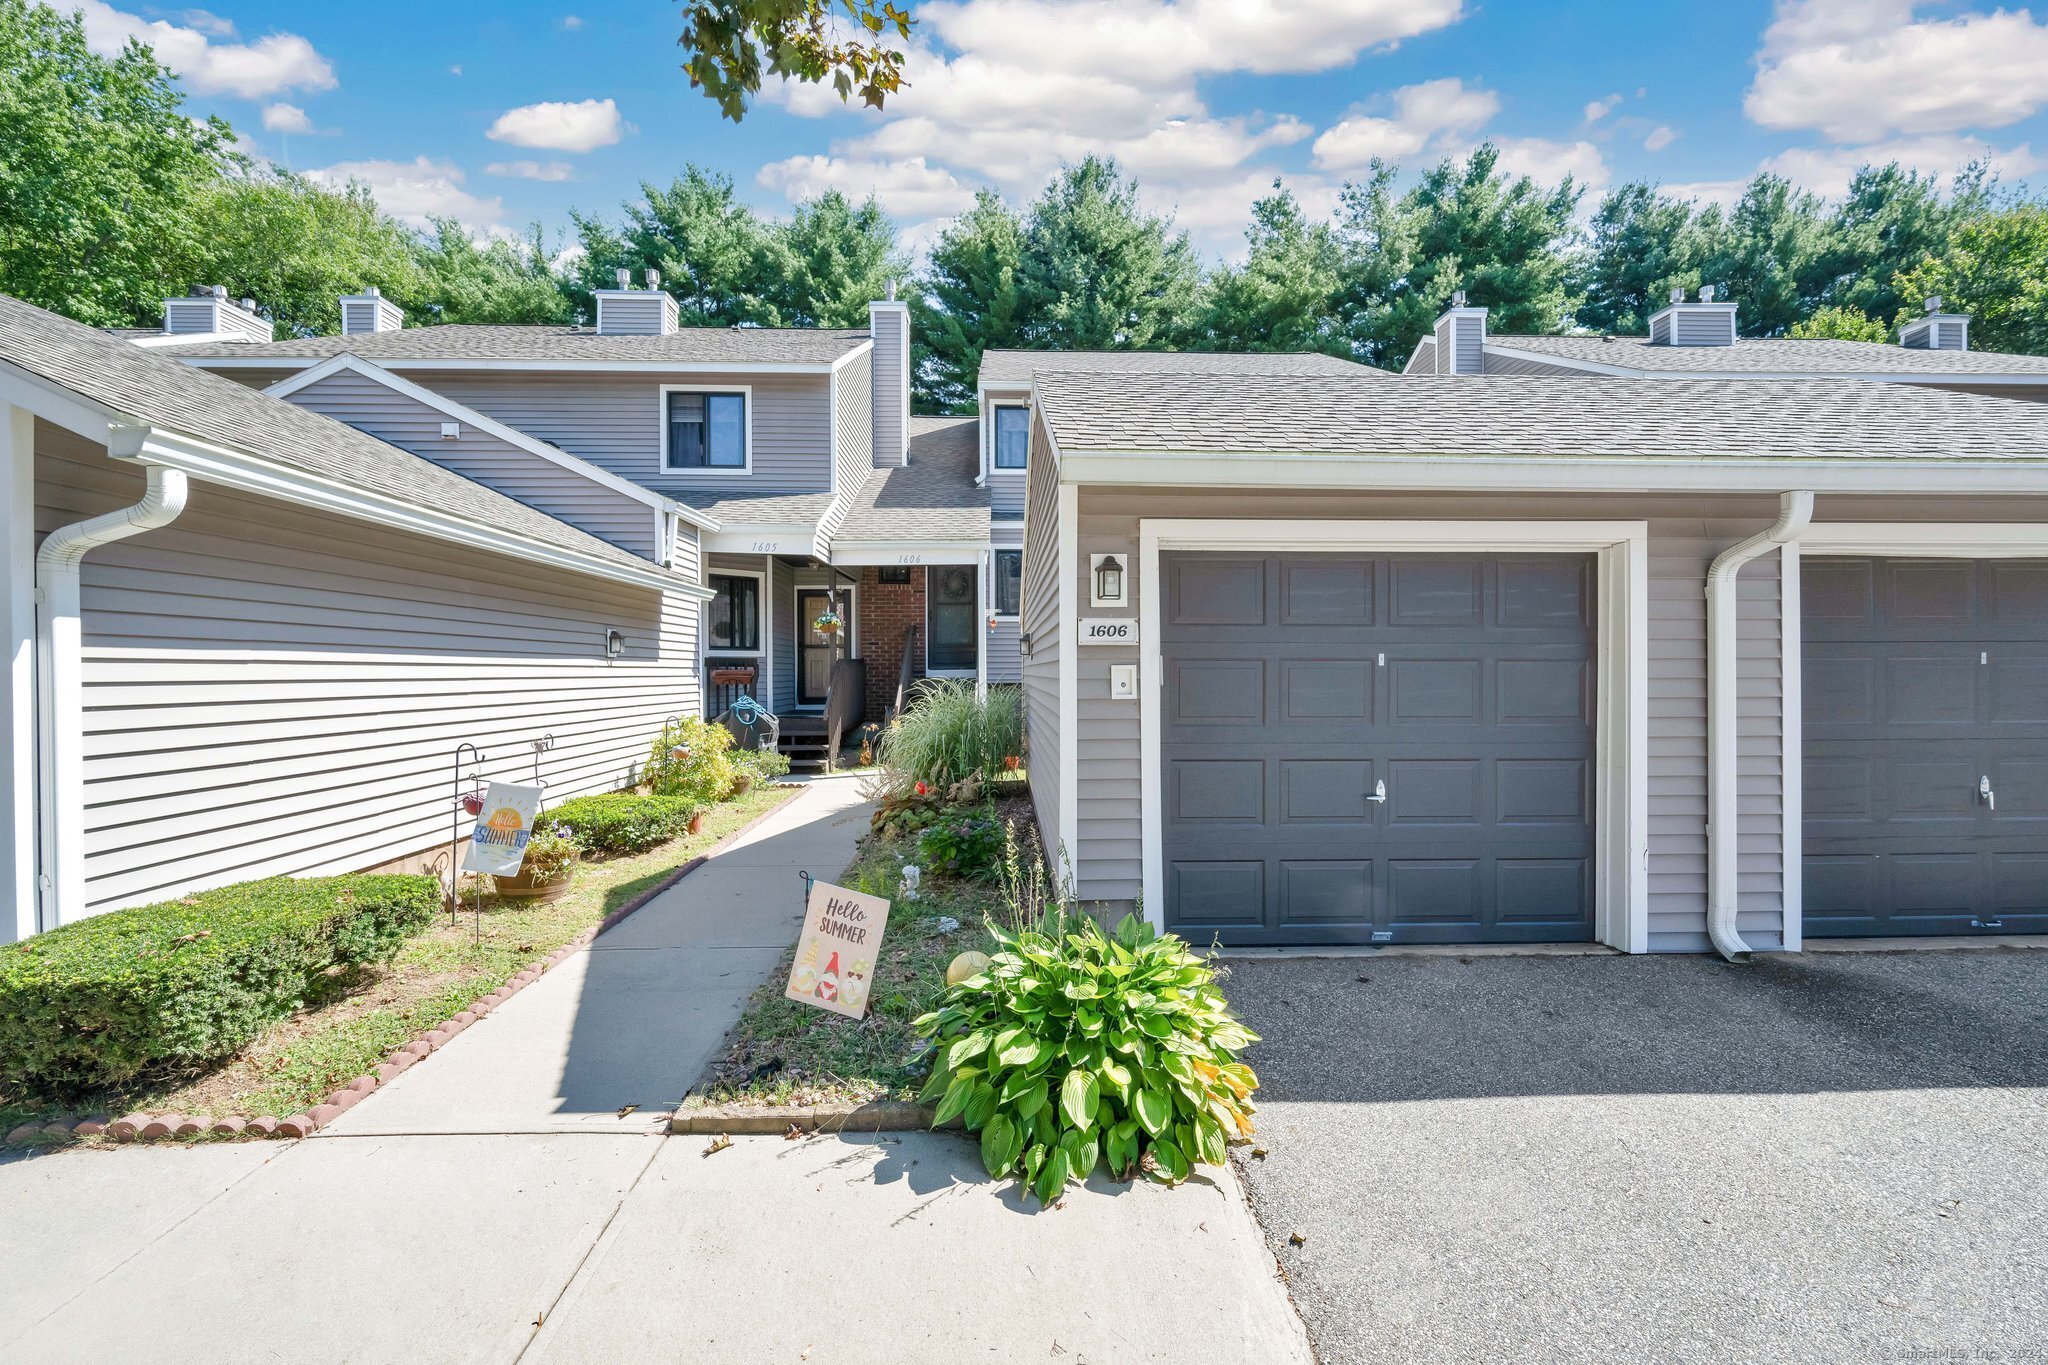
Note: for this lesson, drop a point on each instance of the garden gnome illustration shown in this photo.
(854, 989)
(806, 978)
(828, 984)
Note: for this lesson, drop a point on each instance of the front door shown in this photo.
(816, 651)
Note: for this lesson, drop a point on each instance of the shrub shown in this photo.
(705, 775)
(949, 735)
(551, 853)
(1074, 1048)
(623, 822)
(765, 764)
(189, 981)
(962, 845)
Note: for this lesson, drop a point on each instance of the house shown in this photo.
(1663, 663)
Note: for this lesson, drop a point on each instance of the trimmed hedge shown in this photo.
(623, 822)
(189, 981)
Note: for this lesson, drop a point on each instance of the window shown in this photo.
(1009, 585)
(1013, 437)
(707, 431)
(732, 619)
(955, 641)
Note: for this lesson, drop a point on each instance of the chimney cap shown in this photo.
(1933, 304)
(624, 277)
(1678, 295)
(1457, 298)
(653, 278)
(1706, 293)
(889, 292)
(370, 292)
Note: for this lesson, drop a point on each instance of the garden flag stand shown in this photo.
(838, 949)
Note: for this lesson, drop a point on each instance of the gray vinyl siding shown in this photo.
(1703, 329)
(1107, 860)
(2024, 393)
(1006, 487)
(1039, 618)
(255, 378)
(383, 412)
(645, 314)
(1500, 364)
(1005, 664)
(615, 420)
(855, 418)
(889, 376)
(271, 690)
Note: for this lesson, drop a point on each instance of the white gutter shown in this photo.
(60, 695)
(1795, 510)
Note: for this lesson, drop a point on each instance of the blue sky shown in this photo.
(510, 113)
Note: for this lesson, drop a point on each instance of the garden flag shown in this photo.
(836, 955)
(498, 843)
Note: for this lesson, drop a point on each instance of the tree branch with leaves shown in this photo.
(731, 42)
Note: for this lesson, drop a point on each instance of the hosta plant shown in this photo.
(1076, 1048)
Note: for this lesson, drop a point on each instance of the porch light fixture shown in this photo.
(1109, 580)
(614, 645)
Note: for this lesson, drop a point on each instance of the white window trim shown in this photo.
(1892, 540)
(705, 648)
(797, 626)
(709, 472)
(931, 600)
(1018, 551)
(991, 466)
(1621, 903)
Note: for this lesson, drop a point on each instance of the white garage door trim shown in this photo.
(1621, 902)
(1892, 540)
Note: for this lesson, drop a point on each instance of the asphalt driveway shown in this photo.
(1837, 1157)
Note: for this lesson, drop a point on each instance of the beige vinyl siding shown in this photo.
(389, 415)
(889, 377)
(615, 420)
(255, 378)
(271, 690)
(1682, 543)
(1500, 364)
(1007, 488)
(856, 416)
(1005, 664)
(2024, 393)
(1039, 671)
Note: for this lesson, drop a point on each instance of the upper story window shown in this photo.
(1009, 584)
(1013, 437)
(704, 430)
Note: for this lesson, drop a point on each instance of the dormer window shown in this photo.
(704, 429)
(1013, 437)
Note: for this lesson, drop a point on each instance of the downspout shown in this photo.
(60, 702)
(1795, 510)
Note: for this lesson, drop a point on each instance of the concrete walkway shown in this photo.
(491, 1205)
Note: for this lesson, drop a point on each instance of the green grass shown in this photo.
(784, 1052)
(433, 978)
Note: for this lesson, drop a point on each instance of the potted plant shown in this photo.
(552, 855)
(473, 802)
(696, 825)
(827, 622)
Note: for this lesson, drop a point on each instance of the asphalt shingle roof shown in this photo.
(1586, 417)
(465, 342)
(754, 509)
(162, 393)
(1017, 367)
(1776, 355)
(931, 498)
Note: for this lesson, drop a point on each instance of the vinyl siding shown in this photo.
(889, 380)
(1039, 618)
(272, 690)
(383, 412)
(855, 417)
(1499, 364)
(1682, 543)
(615, 420)
(2025, 393)
(1005, 664)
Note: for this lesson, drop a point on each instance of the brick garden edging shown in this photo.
(873, 1116)
(148, 1127)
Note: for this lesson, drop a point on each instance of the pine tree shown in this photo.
(968, 300)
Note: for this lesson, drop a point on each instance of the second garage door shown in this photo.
(1926, 746)
(1393, 749)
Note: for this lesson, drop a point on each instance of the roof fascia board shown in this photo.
(1576, 474)
(1429, 341)
(59, 405)
(852, 355)
(761, 538)
(355, 364)
(886, 553)
(1888, 377)
(298, 362)
(184, 338)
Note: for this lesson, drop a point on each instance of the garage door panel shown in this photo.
(1218, 692)
(1547, 591)
(1541, 891)
(1329, 689)
(1910, 707)
(1542, 692)
(1436, 592)
(1217, 590)
(1434, 791)
(1326, 791)
(1434, 891)
(1326, 892)
(1212, 790)
(1320, 591)
(1218, 894)
(1433, 691)
(1543, 791)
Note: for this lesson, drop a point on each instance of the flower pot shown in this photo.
(696, 825)
(742, 784)
(681, 753)
(472, 803)
(524, 888)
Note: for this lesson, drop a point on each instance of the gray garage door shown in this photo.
(1298, 687)
(1926, 743)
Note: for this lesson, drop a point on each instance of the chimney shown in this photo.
(1461, 338)
(369, 311)
(889, 325)
(208, 311)
(630, 312)
(1705, 323)
(1936, 330)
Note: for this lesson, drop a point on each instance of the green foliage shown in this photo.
(189, 981)
(691, 758)
(1076, 1049)
(962, 845)
(1996, 270)
(99, 166)
(949, 735)
(1889, 222)
(1839, 324)
(1641, 245)
(623, 822)
(832, 259)
(730, 40)
(498, 282)
(764, 765)
(1284, 297)
(1098, 271)
(969, 300)
(551, 852)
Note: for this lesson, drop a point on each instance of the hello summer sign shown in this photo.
(837, 952)
(498, 843)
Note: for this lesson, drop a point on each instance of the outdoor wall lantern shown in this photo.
(614, 645)
(1109, 580)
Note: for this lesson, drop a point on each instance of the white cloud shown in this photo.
(417, 190)
(1548, 162)
(907, 189)
(286, 118)
(1858, 69)
(455, 70)
(1425, 116)
(1660, 137)
(268, 66)
(1601, 108)
(560, 126)
(572, 22)
(532, 170)
(1725, 193)
(1827, 170)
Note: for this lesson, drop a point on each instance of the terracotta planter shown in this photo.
(696, 825)
(524, 888)
(742, 784)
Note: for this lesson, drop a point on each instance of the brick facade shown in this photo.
(887, 610)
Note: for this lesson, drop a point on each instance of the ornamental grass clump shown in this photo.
(949, 735)
(1076, 1048)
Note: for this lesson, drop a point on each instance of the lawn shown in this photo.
(434, 977)
(784, 1052)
